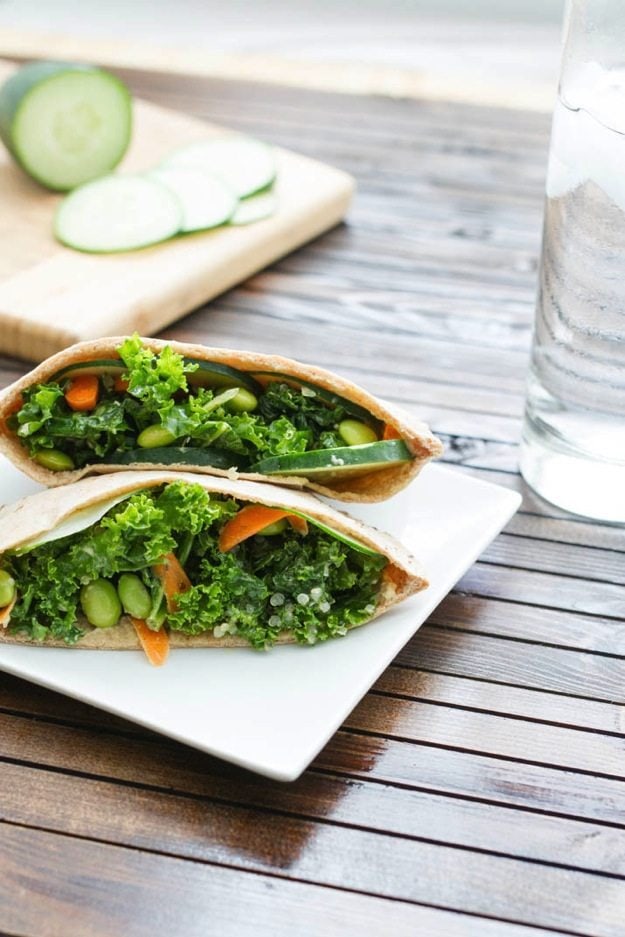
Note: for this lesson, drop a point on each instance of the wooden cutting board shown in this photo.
(51, 296)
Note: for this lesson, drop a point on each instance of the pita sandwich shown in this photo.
(213, 562)
(117, 403)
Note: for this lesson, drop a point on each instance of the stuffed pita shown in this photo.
(109, 405)
(160, 559)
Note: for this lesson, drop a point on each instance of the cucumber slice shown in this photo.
(255, 208)
(175, 455)
(110, 366)
(244, 164)
(65, 124)
(339, 535)
(206, 201)
(212, 374)
(337, 464)
(118, 213)
(327, 396)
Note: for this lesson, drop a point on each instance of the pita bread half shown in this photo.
(28, 520)
(375, 486)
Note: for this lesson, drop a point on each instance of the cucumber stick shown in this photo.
(244, 164)
(118, 213)
(65, 124)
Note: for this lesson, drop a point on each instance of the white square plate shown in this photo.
(273, 712)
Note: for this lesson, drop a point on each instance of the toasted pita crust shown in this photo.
(377, 486)
(30, 518)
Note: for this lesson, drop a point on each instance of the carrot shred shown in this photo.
(299, 524)
(83, 392)
(390, 432)
(154, 643)
(5, 613)
(249, 521)
(173, 578)
(120, 384)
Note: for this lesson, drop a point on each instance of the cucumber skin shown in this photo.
(29, 76)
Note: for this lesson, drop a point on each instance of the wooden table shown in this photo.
(478, 789)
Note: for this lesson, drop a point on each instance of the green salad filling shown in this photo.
(300, 580)
(139, 406)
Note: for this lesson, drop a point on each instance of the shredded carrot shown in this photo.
(249, 521)
(83, 392)
(154, 643)
(120, 384)
(300, 524)
(173, 578)
(5, 613)
(390, 433)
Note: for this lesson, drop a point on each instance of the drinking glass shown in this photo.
(573, 448)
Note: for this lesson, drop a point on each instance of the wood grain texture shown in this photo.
(479, 789)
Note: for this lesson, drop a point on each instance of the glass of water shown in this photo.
(573, 448)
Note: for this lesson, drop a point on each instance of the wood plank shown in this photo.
(531, 623)
(490, 735)
(409, 765)
(503, 699)
(545, 589)
(566, 559)
(51, 885)
(542, 668)
(34, 797)
(197, 829)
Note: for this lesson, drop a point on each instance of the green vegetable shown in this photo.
(255, 208)
(243, 401)
(65, 124)
(175, 455)
(345, 462)
(100, 603)
(117, 213)
(134, 596)
(245, 165)
(206, 201)
(355, 433)
(7, 588)
(54, 460)
(278, 527)
(314, 587)
(153, 437)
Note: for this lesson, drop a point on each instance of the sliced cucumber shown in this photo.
(65, 124)
(110, 366)
(118, 213)
(341, 463)
(339, 535)
(255, 208)
(212, 374)
(206, 201)
(175, 455)
(327, 396)
(246, 165)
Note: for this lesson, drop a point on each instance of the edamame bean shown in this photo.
(7, 588)
(155, 436)
(54, 460)
(278, 527)
(244, 402)
(355, 433)
(134, 596)
(100, 603)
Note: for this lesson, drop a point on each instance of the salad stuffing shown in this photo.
(176, 558)
(160, 407)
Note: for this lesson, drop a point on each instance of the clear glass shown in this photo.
(573, 448)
